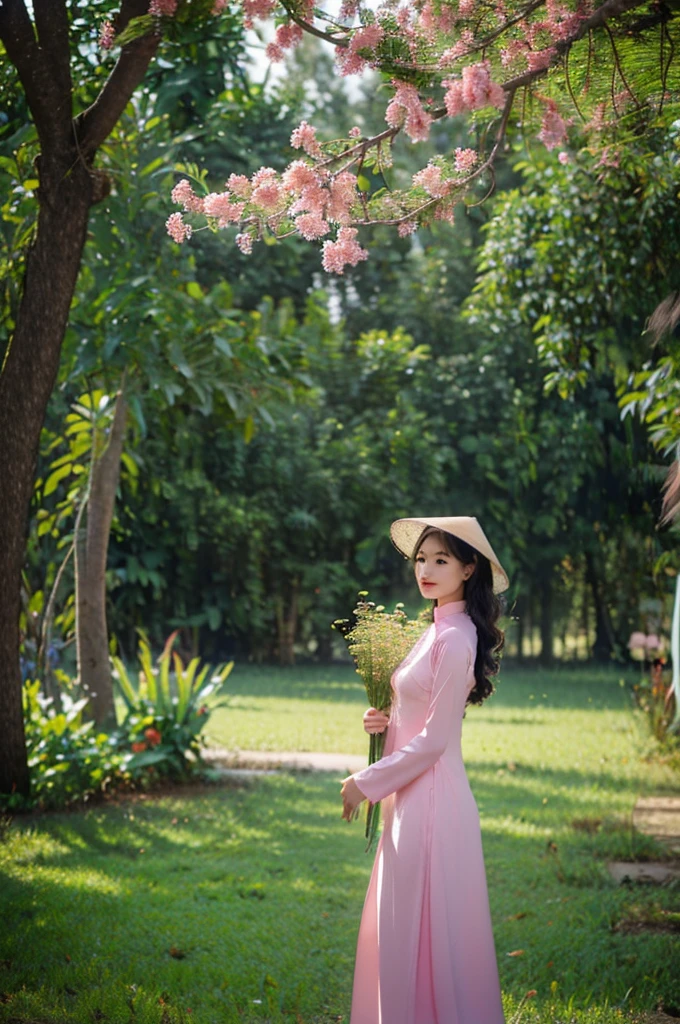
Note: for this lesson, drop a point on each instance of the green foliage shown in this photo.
(163, 722)
(69, 760)
(581, 254)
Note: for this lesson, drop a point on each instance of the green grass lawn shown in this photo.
(242, 903)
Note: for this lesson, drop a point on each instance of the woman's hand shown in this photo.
(351, 798)
(375, 721)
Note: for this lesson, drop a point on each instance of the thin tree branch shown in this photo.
(96, 123)
(609, 9)
(47, 94)
(52, 25)
(312, 30)
(48, 616)
(666, 69)
(617, 63)
(567, 77)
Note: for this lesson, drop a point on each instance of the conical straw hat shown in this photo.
(405, 534)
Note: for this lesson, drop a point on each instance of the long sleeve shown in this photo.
(451, 658)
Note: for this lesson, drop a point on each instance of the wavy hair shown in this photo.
(483, 607)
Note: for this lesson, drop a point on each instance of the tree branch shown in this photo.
(51, 22)
(47, 94)
(609, 9)
(96, 123)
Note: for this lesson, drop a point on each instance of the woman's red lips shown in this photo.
(426, 583)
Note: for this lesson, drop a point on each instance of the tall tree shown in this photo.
(73, 115)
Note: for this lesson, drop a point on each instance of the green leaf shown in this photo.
(135, 28)
(54, 479)
(194, 290)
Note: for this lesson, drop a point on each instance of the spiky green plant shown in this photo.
(165, 713)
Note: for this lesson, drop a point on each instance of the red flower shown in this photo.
(203, 710)
(153, 736)
(137, 748)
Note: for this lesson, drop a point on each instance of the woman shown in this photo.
(425, 953)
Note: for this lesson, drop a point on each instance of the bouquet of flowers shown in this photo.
(379, 641)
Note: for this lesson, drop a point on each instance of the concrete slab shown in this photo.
(654, 872)
(659, 816)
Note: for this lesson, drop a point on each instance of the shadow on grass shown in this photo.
(517, 686)
(244, 903)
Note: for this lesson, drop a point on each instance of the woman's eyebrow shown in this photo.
(446, 554)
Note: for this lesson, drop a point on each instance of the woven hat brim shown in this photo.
(405, 534)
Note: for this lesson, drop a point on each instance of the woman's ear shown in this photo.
(469, 569)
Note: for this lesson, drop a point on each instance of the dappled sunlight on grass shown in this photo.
(242, 902)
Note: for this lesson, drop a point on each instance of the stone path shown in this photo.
(259, 761)
(659, 816)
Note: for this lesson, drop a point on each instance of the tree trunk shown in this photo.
(287, 627)
(519, 612)
(546, 621)
(603, 645)
(324, 647)
(38, 45)
(92, 638)
(26, 382)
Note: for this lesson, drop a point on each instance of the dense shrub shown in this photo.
(68, 759)
(158, 738)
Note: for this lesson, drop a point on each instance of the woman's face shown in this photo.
(439, 573)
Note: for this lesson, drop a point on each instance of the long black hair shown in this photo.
(483, 607)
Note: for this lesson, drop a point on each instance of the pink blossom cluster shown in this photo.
(285, 38)
(465, 160)
(304, 137)
(473, 91)
(162, 8)
(407, 227)
(345, 251)
(244, 241)
(253, 9)
(537, 60)
(219, 6)
(220, 206)
(405, 109)
(641, 640)
(436, 18)
(319, 198)
(458, 50)
(107, 34)
(562, 22)
(267, 192)
(366, 38)
(176, 227)
(184, 195)
(430, 178)
(553, 131)
(514, 49)
(349, 8)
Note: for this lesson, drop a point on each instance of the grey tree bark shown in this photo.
(91, 549)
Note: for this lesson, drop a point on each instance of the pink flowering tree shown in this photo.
(573, 73)
(548, 64)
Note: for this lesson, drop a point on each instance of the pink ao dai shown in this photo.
(425, 953)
